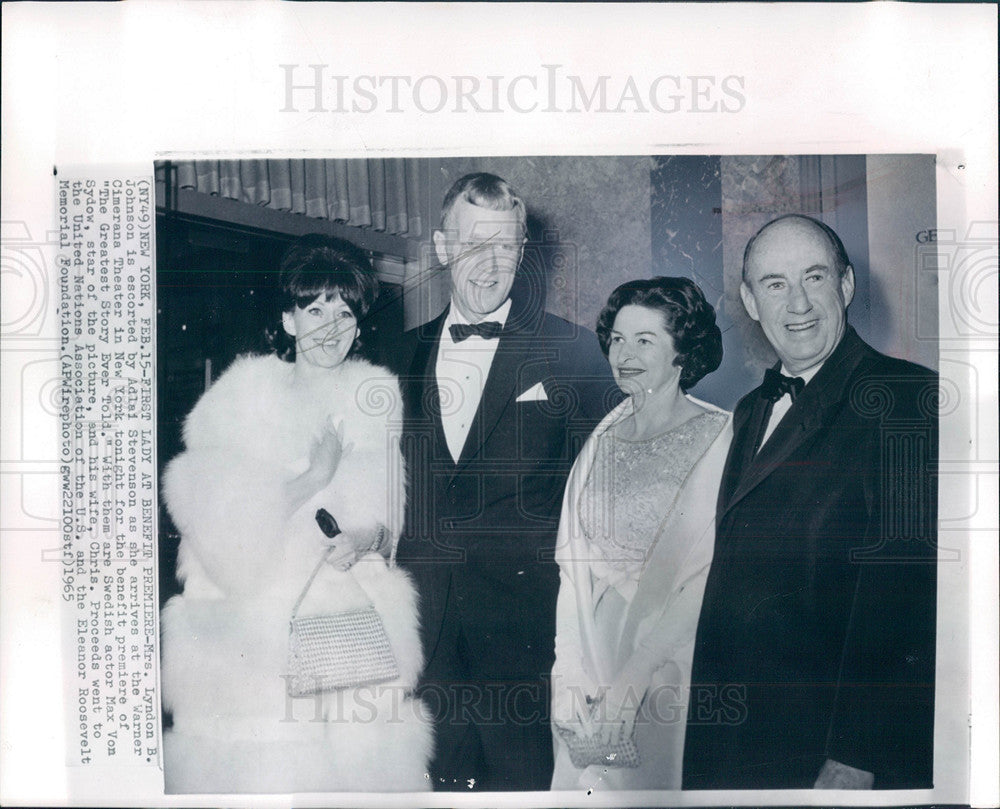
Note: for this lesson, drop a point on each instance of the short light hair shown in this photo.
(840, 260)
(486, 191)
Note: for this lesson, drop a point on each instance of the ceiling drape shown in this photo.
(379, 193)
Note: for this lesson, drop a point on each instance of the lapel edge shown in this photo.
(829, 388)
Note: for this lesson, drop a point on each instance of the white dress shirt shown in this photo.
(461, 370)
(784, 404)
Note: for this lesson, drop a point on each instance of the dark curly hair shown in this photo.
(315, 264)
(687, 317)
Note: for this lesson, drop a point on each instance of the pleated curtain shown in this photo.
(379, 193)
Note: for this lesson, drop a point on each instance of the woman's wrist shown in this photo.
(362, 542)
(299, 490)
(380, 543)
(378, 540)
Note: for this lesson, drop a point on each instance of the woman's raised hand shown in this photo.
(324, 458)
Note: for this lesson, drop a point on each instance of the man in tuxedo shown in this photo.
(499, 397)
(814, 658)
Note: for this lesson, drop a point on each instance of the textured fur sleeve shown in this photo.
(226, 491)
(368, 488)
(248, 436)
(229, 515)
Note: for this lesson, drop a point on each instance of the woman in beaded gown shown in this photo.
(635, 543)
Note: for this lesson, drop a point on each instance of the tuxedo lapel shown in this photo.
(425, 396)
(810, 412)
(500, 389)
(798, 425)
(749, 423)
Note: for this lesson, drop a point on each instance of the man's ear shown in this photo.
(289, 323)
(847, 285)
(441, 247)
(749, 303)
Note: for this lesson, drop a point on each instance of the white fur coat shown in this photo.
(243, 560)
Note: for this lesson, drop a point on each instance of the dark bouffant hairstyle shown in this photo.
(315, 264)
(687, 317)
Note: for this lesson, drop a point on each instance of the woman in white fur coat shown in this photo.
(271, 443)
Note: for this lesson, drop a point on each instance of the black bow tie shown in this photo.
(776, 385)
(489, 330)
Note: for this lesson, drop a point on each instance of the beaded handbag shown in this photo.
(587, 750)
(337, 650)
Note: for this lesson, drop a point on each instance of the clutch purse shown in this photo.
(587, 750)
(337, 650)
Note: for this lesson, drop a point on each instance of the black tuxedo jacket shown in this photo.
(480, 533)
(817, 631)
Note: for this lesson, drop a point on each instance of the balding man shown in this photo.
(814, 659)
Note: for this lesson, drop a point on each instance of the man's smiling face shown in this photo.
(482, 249)
(794, 290)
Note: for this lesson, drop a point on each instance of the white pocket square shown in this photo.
(536, 393)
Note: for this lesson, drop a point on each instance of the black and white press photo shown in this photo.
(548, 473)
(499, 404)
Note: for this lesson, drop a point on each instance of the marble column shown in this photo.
(687, 240)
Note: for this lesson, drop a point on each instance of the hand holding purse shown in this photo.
(587, 749)
(337, 650)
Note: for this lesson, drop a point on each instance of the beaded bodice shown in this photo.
(630, 490)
